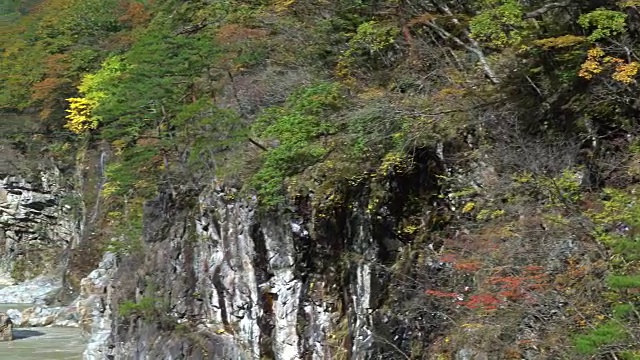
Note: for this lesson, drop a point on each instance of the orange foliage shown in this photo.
(119, 40)
(46, 6)
(148, 141)
(460, 265)
(471, 266)
(44, 89)
(233, 33)
(135, 13)
(56, 65)
(406, 32)
(448, 258)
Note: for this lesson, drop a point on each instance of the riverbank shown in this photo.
(25, 303)
(40, 332)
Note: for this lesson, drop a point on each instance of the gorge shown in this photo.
(336, 179)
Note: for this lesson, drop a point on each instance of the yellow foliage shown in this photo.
(468, 207)
(626, 72)
(395, 161)
(593, 64)
(560, 41)
(629, 3)
(623, 72)
(80, 119)
(119, 146)
(409, 229)
(283, 5)
(372, 93)
(109, 189)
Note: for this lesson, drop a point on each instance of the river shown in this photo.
(41, 343)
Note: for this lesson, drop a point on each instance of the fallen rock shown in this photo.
(35, 291)
(6, 328)
(41, 316)
(15, 316)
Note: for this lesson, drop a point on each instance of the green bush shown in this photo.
(621, 311)
(623, 281)
(608, 333)
(296, 127)
(147, 308)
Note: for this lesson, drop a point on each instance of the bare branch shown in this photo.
(258, 145)
(544, 9)
(474, 48)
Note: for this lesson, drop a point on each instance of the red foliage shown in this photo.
(533, 268)
(498, 289)
(448, 258)
(518, 287)
(481, 301)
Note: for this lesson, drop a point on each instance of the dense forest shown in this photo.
(509, 128)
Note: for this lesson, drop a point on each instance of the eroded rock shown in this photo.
(35, 291)
(6, 328)
(35, 226)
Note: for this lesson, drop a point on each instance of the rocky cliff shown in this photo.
(377, 269)
(220, 279)
(37, 225)
(342, 179)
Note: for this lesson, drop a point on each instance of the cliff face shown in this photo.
(219, 279)
(36, 225)
(224, 268)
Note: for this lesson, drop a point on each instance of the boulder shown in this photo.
(35, 291)
(6, 328)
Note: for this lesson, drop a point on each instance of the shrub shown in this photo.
(296, 127)
(623, 281)
(608, 333)
(147, 308)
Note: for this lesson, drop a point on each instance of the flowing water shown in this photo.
(41, 343)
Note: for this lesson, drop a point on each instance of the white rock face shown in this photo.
(94, 308)
(227, 261)
(41, 316)
(234, 274)
(286, 289)
(35, 227)
(35, 291)
(361, 293)
(225, 270)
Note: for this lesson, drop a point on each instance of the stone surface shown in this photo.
(6, 328)
(236, 276)
(94, 308)
(41, 316)
(35, 226)
(36, 291)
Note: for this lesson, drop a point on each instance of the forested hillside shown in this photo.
(491, 144)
